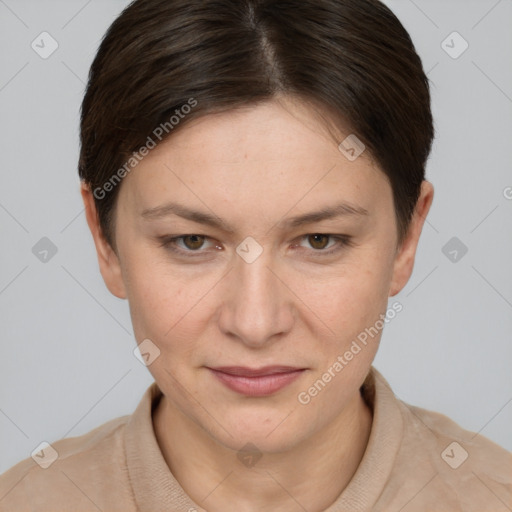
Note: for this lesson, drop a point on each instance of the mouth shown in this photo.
(256, 381)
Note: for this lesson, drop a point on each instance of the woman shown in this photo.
(253, 174)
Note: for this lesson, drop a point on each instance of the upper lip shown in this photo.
(243, 371)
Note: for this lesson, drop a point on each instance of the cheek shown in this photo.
(157, 303)
(154, 296)
(167, 304)
(351, 299)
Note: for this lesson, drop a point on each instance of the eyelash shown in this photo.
(170, 244)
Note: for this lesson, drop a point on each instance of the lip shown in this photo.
(256, 381)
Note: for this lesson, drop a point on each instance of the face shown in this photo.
(254, 287)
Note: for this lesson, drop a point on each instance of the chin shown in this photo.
(270, 431)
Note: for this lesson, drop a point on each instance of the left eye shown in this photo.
(320, 248)
(194, 243)
(318, 240)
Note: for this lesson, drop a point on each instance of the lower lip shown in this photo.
(257, 386)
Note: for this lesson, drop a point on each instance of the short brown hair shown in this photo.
(352, 56)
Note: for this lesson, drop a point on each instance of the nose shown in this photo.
(258, 306)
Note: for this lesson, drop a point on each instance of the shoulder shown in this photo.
(83, 471)
(458, 444)
(464, 470)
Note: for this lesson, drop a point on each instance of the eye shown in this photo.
(319, 242)
(193, 245)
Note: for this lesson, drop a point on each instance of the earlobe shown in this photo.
(404, 261)
(108, 260)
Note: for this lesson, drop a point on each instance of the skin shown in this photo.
(254, 168)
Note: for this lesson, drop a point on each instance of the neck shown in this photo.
(213, 478)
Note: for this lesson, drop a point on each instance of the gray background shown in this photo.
(67, 361)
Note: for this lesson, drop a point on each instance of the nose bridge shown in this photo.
(256, 309)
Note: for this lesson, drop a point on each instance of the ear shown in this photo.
(404, 261)
(108, 260)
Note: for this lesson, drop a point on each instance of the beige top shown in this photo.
(416, 460)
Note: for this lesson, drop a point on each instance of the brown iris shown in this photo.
(316, 242)
(197, 241)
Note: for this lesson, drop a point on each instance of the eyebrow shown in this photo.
(330, 212)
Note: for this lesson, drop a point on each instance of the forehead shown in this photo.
(270, 130)
(260, 155)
